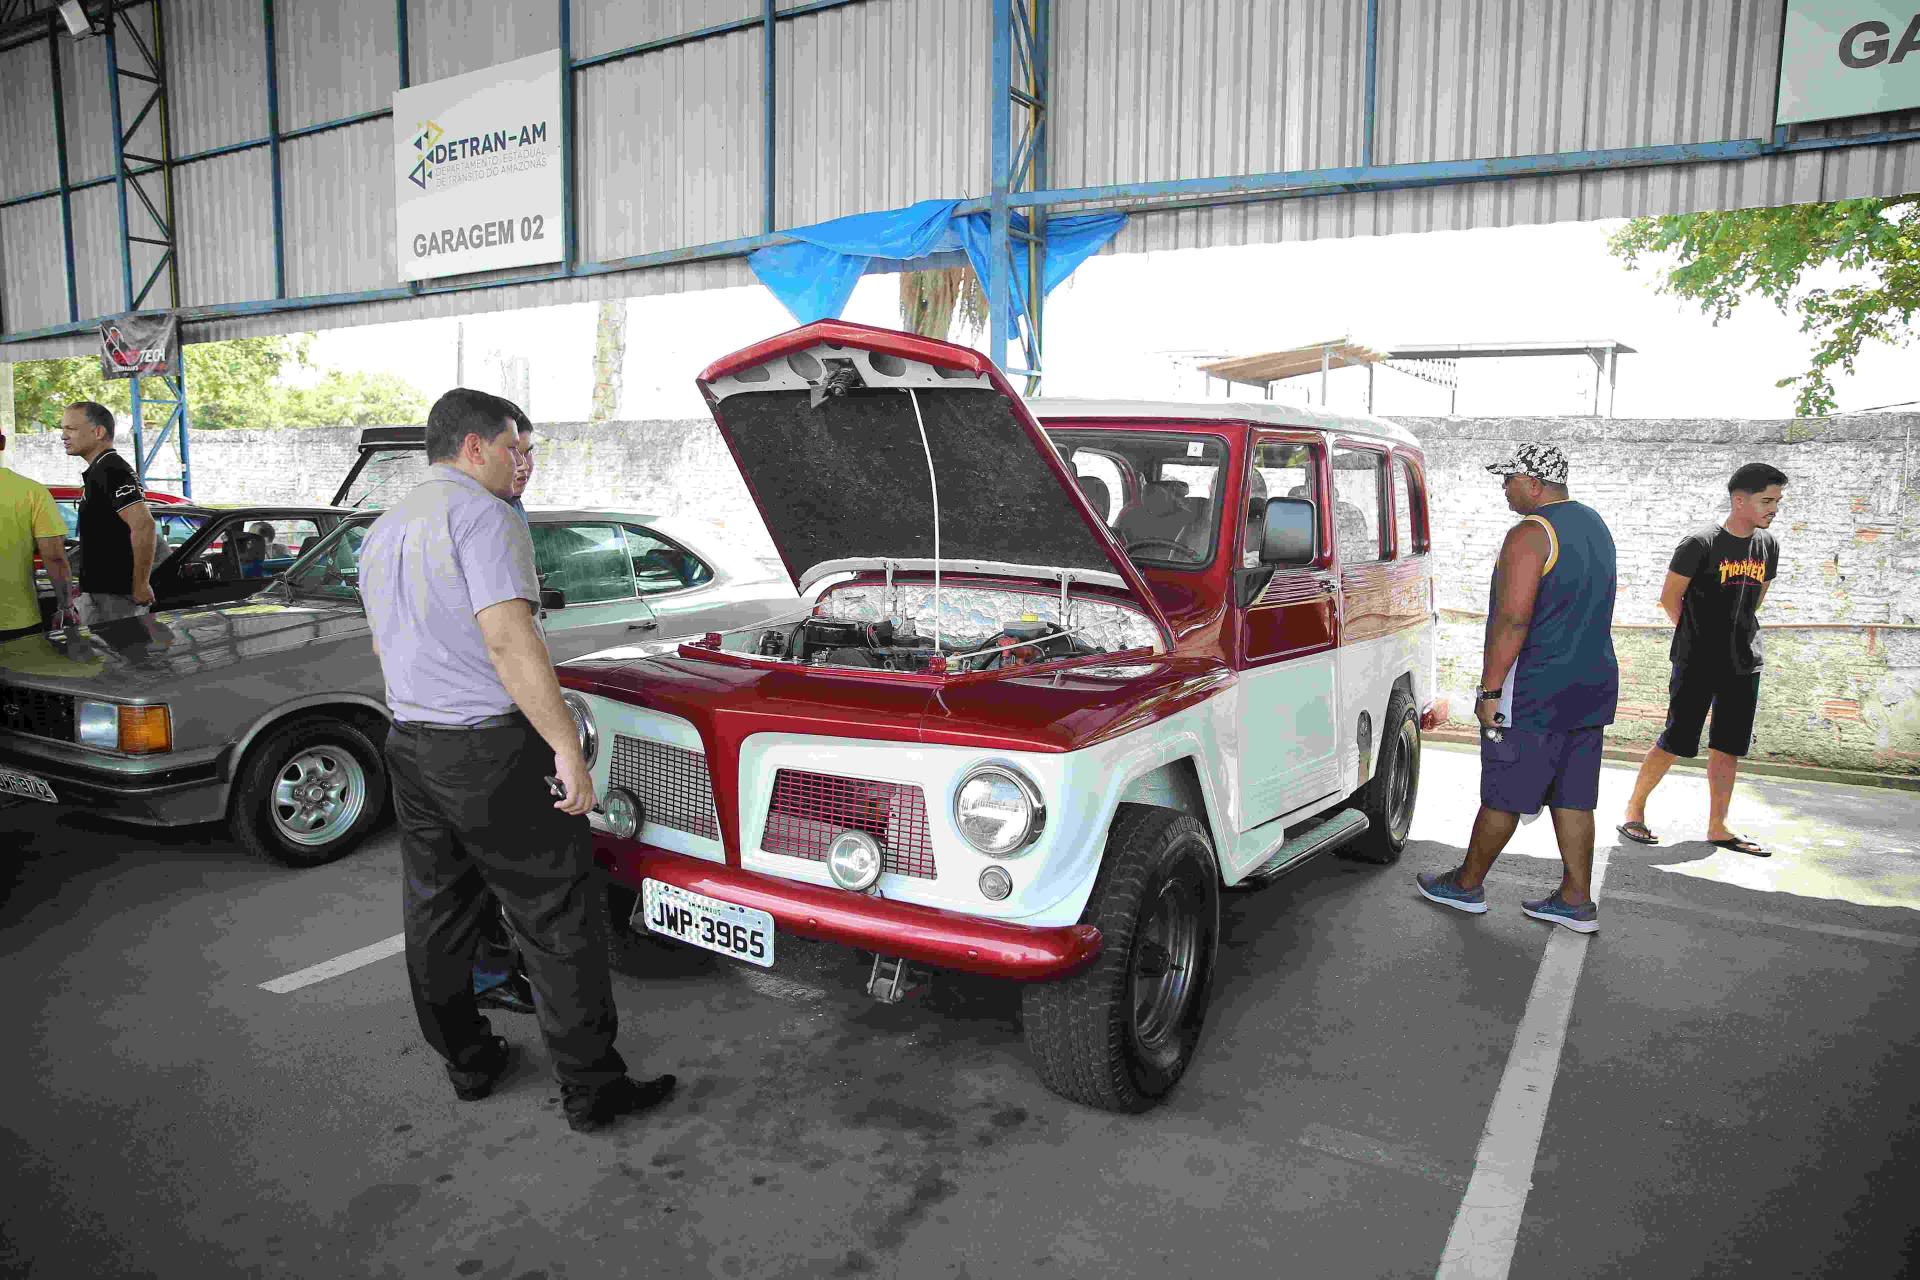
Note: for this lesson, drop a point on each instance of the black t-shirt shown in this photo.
(1717, 622)
(108, 487)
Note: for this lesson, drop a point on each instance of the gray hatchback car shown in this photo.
(269, 713)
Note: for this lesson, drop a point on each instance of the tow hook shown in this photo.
(893, 980)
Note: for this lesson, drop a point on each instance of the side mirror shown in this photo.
(552, 598)
(1287, 535)
(196, 571)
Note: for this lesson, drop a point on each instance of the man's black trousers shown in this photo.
(475, 814)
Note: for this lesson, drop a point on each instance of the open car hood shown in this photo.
(833, 426)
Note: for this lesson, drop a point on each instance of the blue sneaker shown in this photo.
(1584, 918)
(1438, 886)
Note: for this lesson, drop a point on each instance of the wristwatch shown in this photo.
(1489, 695)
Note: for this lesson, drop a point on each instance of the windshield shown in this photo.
(332, 569)
(390, 474)
(1157, 492)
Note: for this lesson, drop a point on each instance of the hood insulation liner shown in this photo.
(848, 479)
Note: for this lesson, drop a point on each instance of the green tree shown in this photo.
(1719, 260)
(352, 400)
(229, 384)
(929, 300)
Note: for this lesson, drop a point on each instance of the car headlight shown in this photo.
(135, 731)
(998, 810)
(583, 726)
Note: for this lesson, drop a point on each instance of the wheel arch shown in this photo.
(367, 714)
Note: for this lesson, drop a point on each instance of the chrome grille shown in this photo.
(35, 711)
(810, 810)
(671, 783)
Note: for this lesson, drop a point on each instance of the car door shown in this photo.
(587, 586)
(1289, 635)
(671, 578)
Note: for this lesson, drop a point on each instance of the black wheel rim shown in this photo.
(1164, 969)
(1401, 781)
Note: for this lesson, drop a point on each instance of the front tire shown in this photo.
(1388, 798)
(1120, 1035)
(308, 792)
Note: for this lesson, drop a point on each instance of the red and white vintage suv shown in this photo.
(1073, 669)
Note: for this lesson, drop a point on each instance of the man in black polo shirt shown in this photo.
(1715, 583)
(116, 529)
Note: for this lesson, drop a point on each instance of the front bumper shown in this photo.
(946, 939)
(165, 797)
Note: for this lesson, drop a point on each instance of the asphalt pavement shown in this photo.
(1736, 1094)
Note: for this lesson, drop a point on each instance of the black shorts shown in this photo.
(1732, 697)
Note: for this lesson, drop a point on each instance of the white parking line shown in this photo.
(1480, 1246)
(338, 965)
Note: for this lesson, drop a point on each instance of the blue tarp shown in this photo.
(814, 277)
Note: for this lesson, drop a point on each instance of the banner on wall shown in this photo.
(1843, 58)
(478, 160)
(140, 346)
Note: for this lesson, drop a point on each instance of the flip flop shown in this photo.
(1740, 844)
(1638, 832)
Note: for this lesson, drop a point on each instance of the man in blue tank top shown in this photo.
(1549, 686)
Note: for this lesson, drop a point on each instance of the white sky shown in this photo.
(1112, 327)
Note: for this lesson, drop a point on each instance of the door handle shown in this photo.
(649, 625)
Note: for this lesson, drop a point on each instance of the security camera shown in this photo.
(74, 14)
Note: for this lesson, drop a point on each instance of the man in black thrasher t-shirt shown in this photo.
(116, 529)
(1715, 583)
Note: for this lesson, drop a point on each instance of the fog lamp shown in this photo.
(853, 860)
(622, 808)
(995, 883)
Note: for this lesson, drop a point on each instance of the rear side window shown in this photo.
(1409, 511)
(1358, 492)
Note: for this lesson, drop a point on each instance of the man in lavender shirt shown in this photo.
(448, 582)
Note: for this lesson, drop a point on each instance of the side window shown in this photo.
(240, 549)
(334, 572)
(588, 562)
(70, 512)
(660, 566)
(1099, 478)
(1280, 470)
(1357, 492)
(1409, 511)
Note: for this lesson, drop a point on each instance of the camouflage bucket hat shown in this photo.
(1544, 462)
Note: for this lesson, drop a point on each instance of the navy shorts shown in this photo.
(1528, 769)
(1732, 696)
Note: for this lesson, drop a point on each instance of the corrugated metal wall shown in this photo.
(885, 102)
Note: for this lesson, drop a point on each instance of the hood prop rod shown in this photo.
(934, 485)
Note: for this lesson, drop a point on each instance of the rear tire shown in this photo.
(1389, 797)
(308, 791)
(1120, 1035)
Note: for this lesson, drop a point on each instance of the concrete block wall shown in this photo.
(1843, 622)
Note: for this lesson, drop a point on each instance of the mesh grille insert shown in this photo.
(671, 782)
(38, 712)
(810, 810)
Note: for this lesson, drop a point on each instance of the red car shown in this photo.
(1072, 670)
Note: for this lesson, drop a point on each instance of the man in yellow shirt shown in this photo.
(29, 522)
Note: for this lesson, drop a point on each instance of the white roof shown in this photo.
(1266, 413)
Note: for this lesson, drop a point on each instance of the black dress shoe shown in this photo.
(590, 1112)
(484, 1069)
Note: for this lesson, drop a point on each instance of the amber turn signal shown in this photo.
(145, 730)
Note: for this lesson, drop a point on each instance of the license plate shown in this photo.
(28, 786)
(726, 927)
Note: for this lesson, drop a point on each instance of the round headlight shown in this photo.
(583, 726)
(998, 810)
(622, 808)
(853, 860)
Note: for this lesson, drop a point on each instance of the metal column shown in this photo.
(1016, 284)
(143, 168)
